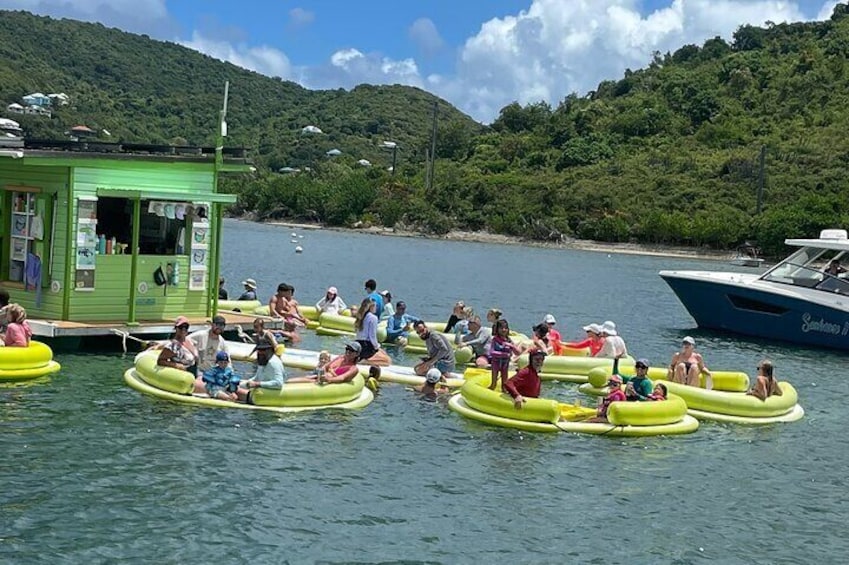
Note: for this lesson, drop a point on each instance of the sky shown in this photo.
(480, 55)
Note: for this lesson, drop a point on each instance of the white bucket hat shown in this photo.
(609, 328)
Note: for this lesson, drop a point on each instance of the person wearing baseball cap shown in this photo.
(687, 366)
(554, 337)
(331, 302)
(594, 342)
(220, 381)
(250, 290)
(638, 387)
(433, 386)
(270, 372)
(180, 352)
(526, 382)
(388, 308)
(344, 367)
(210, 341)
(614, 385)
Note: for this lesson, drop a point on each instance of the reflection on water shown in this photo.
(96, 472)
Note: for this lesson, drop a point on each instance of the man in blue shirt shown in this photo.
(371, 289)
(398, 325)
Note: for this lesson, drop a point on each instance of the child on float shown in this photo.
(659, 392)
(615, 395)
(540, 340)
(220, 381)
(501, 350)
(765, 384)
(18, 332)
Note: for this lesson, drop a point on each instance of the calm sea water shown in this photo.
(93, 472)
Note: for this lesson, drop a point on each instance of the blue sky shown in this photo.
(480, 54)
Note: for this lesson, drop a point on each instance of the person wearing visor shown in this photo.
(638, 387)
(687, 365)
(614, 385)
(526, 382)
(180, 352)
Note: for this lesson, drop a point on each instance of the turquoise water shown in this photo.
(94, 472)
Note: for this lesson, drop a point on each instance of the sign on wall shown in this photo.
(86, 243)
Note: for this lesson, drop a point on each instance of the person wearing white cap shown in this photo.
(688, 365)
(250, 290)
(331, 303)
(614, 346)
(554, 337)
(388, 308)
(594, 342)
(433, 386)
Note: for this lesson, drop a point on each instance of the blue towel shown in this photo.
(32, 277)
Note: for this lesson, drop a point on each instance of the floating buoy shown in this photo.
(299, 249)
(294, 234)
(294, 241)
(301, 236)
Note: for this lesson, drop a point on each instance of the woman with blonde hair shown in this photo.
(18, 332)
(366, 325)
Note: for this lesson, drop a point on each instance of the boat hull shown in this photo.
(739, 304)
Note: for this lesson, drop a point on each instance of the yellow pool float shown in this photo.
(476, 401)
(177, 385)
(24, 363)
(246, 306)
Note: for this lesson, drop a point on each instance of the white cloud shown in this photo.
(262, 59)
(424, 34)
(141, 16)
(828, 9)
(300, 17)
(554, 47)
(349, 67)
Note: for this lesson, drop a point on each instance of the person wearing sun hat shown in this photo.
(180, 352)
(526, 382)
(638, 387)
(554, 337)
(614, 346)
(687, 365)
(331, 302)
(594, 342)
(250, 290)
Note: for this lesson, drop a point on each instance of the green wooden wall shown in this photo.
(52, 181)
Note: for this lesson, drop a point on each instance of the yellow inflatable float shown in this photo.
(246, 306)
(25, 363)
(476, 401)
(177, 385)
(727, 402)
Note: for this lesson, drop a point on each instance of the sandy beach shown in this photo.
(569, 243)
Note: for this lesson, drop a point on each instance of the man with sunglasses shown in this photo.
(638, 387)
(209, 342)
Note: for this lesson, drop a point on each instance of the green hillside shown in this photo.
(143, 90)
(665, 154)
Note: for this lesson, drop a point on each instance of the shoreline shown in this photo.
(486, 237)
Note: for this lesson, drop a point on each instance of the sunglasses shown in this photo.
(641, 366)
(350, 349)
(183, 327)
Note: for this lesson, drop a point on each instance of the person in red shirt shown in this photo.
(554, 336)
(616, 395)
(526, 382)
(594, 340)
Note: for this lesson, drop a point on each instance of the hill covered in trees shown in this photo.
(665, 154)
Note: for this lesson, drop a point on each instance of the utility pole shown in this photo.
(761, 180)
(429, 175)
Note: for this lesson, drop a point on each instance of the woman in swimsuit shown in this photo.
(687, 365)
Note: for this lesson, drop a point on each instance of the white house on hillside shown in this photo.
(311, 129)
(37, 110)
(333, 153)
(60, 99)
(15, 108)
(36, 99)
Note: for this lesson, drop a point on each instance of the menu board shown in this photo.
(86, 243)
(199, 255)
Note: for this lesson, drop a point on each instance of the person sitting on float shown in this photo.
(501, 350)
(614, 346)
(540, 340)
(283, 305)
(209, 342)
(398, 325)
(250, 290)
(615, 395)
(687, 365)
(331, 302)
(344, 367)
(262, 335)
(639, 386)
(440, 354)
(478, 338)
(180, 352)
(220, 381)
(18, 332)
(659, 392)
(554, 337)
(456, 316)
(765, 384)
(388, 307)
(594, 342)
(4, 312)
(526, 382)
(365, 323)
(270, 372)
(433, 386)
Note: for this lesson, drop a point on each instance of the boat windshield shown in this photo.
(812, 267)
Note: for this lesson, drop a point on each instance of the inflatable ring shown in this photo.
(729, 381)
(24, 363)
(247, 306)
